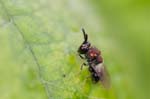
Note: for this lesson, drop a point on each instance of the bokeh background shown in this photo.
(39, 40)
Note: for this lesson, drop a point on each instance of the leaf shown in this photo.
(38, 58)
(43, 37)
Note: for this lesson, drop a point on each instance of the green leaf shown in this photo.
(38, 53)
(42, 38)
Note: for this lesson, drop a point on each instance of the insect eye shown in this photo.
(84, 46)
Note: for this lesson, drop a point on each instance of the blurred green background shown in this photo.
(39, 39)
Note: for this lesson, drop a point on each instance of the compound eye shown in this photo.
(84, 46)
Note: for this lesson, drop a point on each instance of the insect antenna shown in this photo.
(85, 35)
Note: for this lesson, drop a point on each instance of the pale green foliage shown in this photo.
(39, 40)
(42, 38)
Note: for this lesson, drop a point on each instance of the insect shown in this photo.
(92, 55)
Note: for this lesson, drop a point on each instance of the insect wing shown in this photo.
(102, 72)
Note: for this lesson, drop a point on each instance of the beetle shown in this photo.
(96, 67)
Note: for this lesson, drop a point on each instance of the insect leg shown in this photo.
(84, 64)
(81, 56)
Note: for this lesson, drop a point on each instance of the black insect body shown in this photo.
(95, 62)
